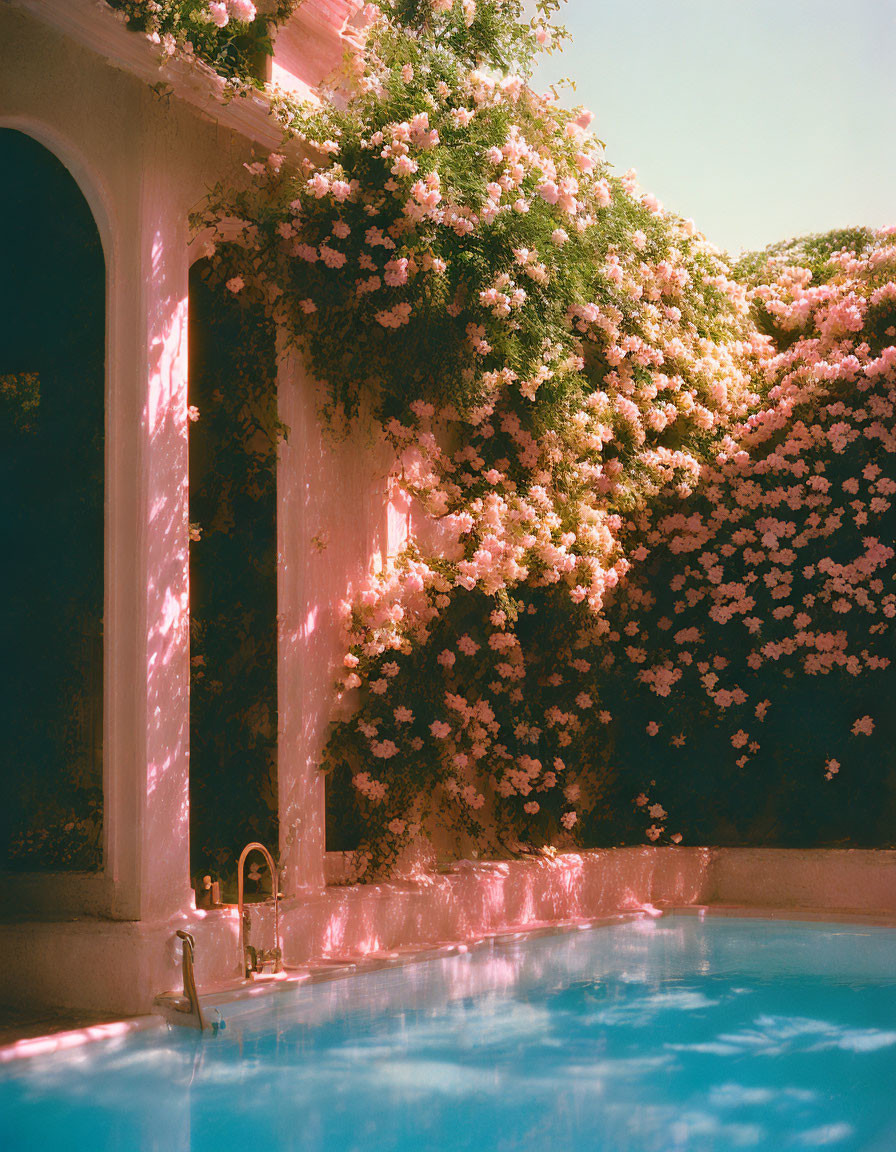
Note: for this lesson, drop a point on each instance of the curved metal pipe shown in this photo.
(254, 846)
(192, 996)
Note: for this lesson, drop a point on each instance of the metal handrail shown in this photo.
(191, 995)
(251, 963)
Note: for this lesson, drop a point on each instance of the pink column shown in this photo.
(147, 545)
(334, 524)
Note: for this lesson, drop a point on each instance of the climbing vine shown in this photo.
(230, 36)
(234, 434)
(579, 391)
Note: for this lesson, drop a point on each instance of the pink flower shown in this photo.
(331, 257)
(404, 166)
(602, 192)
(236, 284)
(531, 807)
(318, 186)
(242, 10)
(652, 728)
(471, 797)
(864, 726)
(219, 15)
(440, 729)
(395, 272)
(549, 191)
(568, 819)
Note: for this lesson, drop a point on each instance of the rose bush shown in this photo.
(751, 653)
(660, 486)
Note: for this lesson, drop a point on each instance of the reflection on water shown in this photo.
(680, 1036)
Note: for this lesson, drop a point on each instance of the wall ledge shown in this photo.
(91, 964)
(93, 25)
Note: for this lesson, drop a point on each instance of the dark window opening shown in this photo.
(233, 579)
(52, 429)
(345, 829)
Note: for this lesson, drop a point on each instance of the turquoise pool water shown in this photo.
(670, 1035)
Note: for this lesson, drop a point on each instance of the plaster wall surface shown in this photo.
(785, 878)
(103, 966)
(336, 524)
(310, 46)
(144, 158)
(143, 161)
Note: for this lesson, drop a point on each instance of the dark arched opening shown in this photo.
(233, 578)
(52, 392)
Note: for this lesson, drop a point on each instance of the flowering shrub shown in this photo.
(574, 384)
(750, 653)
(590, 349)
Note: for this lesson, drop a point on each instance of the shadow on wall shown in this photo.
(338, 525)
(477, 899)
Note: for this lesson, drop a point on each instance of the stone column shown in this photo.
(147, 541)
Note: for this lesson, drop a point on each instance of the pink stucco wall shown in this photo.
(120, 967)
(337, 523)
(144, 160)
(106, 942)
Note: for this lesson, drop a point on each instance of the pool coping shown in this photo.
(339, 968)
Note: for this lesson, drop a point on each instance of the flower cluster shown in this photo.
(231, 36)
(578, 390)
(761, 627)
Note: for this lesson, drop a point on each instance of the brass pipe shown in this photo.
(191, 995)
(254, 846)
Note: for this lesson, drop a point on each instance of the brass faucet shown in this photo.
(254, 959)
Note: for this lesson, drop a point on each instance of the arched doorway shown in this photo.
(52, 447)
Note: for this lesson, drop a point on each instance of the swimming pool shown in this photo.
(674, 1035)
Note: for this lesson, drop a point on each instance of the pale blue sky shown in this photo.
(761, 119)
